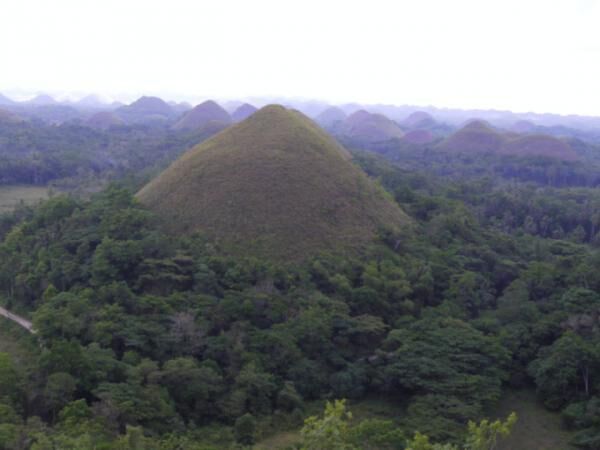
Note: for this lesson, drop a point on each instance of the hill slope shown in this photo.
(202, 114)
(475, 137)
(479, 137)
(146, 109)
(365, 127)
(275, 185)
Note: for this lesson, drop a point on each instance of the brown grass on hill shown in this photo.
(276, 186)
(370, 128)
(540, 145)
(479, 137)
(419, 137)
(200, 115)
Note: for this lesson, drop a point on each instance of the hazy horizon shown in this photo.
(537, 57)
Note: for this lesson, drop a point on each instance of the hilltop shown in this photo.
(479, 137)
(366, 128)
(275, 185)
(242, 112)
(146, 109)
(42, 99)
(476, 136)
(202, 114)
(331, 117)
(418, 119)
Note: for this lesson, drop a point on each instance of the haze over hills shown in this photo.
(274, 185)
(9, 117)
(479, 137)
(5, 100)
(42, 99)
(201, 115)
(104, 120)
(419, 137)
(242, 112)
(146, 109)
(418, 119)
(367, 128)
(331, 117)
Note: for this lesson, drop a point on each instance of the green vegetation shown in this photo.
(157, 340)
(536, 427)
(275, 186)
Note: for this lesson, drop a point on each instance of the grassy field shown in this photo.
(11, 196)
(536, 427)
(370, 408)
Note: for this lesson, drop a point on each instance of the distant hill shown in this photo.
(146, 109)
(523, 126)
(54, 114)
(91, 101)
(42, 100)
(199, 116)
(540, 145)
(475, 137)
(418, 119)
(479, 137)
(104, 120)
(364, 127)
(275, 185)
(9, 117)
(242, 112)
(419, 137)
(331, 117)
(181, 107)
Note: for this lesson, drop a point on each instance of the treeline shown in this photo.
(69, 154)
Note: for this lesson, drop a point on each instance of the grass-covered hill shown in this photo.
(146, 109)
(368, 128)
(276, 186)
(201, 115)
(419, 137)
(418, 119)
(475, 137)
(242, 112)
(540, 145)
(479, 137)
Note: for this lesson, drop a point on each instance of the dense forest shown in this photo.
(148, 340)
(75, 157)
(165, 340)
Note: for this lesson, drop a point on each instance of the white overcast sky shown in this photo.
(523, 55)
